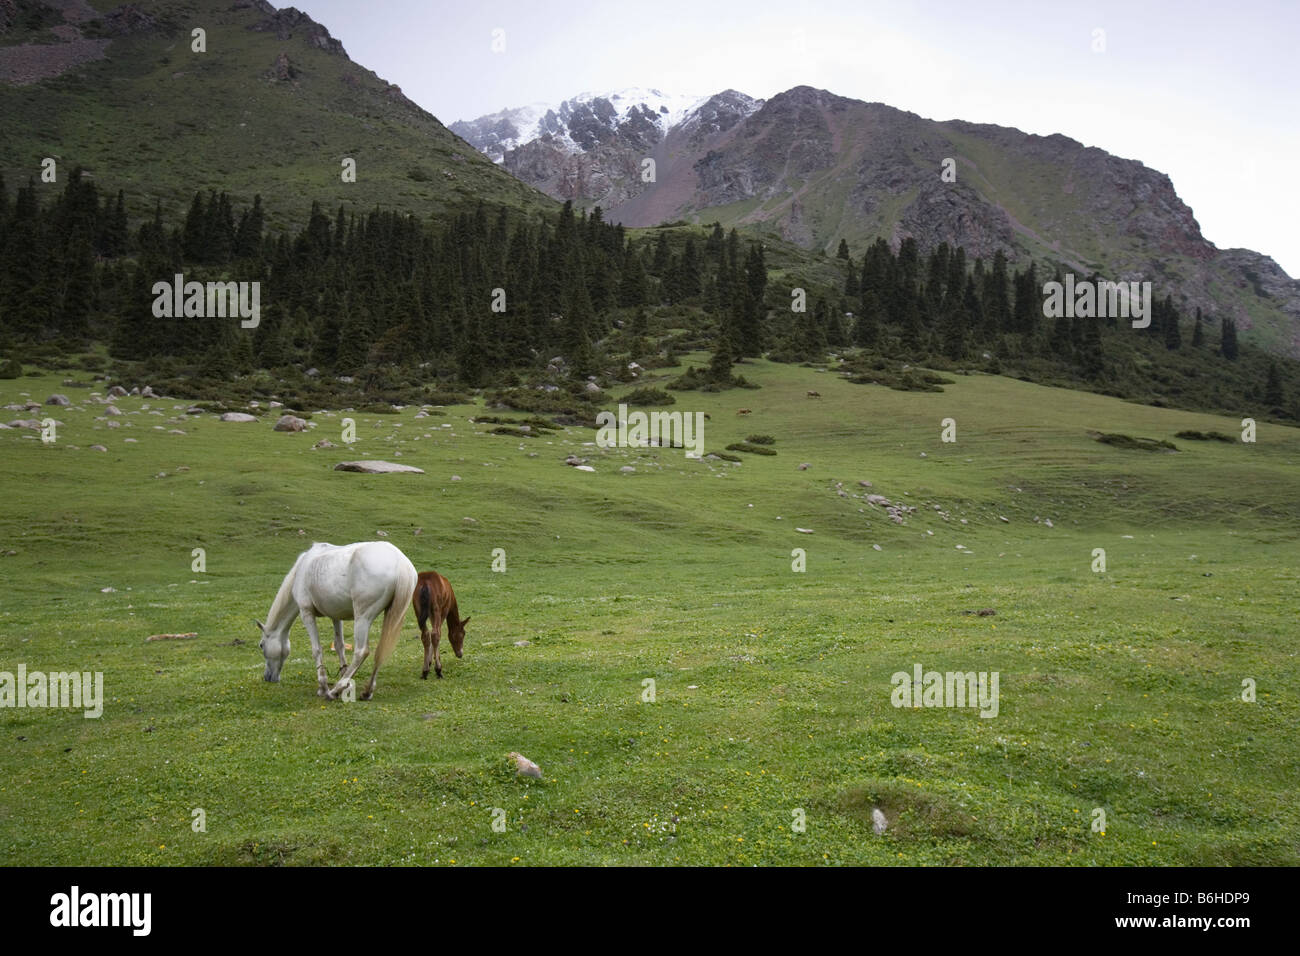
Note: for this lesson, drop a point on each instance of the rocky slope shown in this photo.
(816, 168)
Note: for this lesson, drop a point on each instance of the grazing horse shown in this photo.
(351, 582)
(435, 598)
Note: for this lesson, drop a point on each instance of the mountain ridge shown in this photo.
(816, 168)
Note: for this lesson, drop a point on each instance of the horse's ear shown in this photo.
(260, 626)
(464, 622)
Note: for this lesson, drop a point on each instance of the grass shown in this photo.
(1120, 691)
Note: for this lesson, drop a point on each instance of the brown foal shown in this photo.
(435, 599)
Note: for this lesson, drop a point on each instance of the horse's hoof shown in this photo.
(424, 676)
(439, 675)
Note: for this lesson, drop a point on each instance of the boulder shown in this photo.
(238, 417)
(376, 467)
(290, 423)
(117, 391)
(112, 410)
(57, 399)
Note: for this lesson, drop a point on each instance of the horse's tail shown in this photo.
(403, 591)
(423, 602)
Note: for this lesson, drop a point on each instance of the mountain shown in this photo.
(816, 168)
(273, 106)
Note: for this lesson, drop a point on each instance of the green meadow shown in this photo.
(770, 735)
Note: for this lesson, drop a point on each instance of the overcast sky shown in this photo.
(1208, 93)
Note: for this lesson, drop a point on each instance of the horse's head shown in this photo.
(456, 635)
(275, 648)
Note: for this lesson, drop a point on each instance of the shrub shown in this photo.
(750, 449)
(649, 396)
(761, 440)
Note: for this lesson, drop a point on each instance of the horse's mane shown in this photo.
(284, 596)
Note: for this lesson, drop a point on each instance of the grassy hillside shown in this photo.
(1120, 691)
(161, 121)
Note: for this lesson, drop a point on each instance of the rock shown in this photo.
(291, 423)
(194, 410)
(1048, 522)
(522, 643)
(376, 467)
(470, 520)
(804, 530)
(117, 391)
(98, 448)
(277, 405)
(865, 484)
(876, 547)
(57, 399)
(986, 612)
(238, 417)
(187, 636)
(877, 500)
(25, 423)
(575, 461)
(312, 372)
(804, 466)
(627, 470)
(324, 443)
(455, 478)
(175, 431)
(148, 392)
(878, 822)
(583, 468)
(112, 410)
(524, 766)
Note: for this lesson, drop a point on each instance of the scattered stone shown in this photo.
(291, 423)
(456, 478)
(57, 399)
(238, 417)
(522, 643)
(583, 468)
(98, 448)
(876, 547)
(878, 822)
(524, 766)
(804, 466)
(148, 392)
(187, 636)
(117, 391)
(112, 410)
(804, 530)
(194, 410)
(324, 443)
(376, 467)
(627, 470)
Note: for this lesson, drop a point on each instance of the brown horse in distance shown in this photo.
(435, 599)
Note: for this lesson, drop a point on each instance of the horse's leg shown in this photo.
(309, 622)
(338, 645)
(428, 649)
(437, 637)
(360, 651)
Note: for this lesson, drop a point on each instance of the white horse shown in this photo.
(345, 583)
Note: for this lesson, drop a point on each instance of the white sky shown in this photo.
(1207, 93)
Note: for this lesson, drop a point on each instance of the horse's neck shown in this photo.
(453, 614)
(284, 608)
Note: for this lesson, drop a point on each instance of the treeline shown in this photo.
(486, 294)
